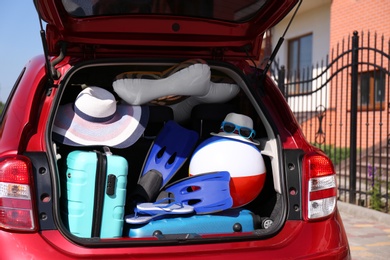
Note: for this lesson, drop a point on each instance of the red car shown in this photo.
(147, 131)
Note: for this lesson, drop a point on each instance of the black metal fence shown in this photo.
(343, 106)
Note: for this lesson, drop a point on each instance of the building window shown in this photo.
(300, 64)
(371, 86)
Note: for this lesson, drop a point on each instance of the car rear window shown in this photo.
(228, 10)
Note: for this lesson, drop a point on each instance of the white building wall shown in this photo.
(314, 18)
(315, 21)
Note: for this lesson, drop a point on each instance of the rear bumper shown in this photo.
(297, 240)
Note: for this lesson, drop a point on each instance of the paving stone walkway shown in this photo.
(368, 232)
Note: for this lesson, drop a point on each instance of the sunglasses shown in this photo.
(243, 131)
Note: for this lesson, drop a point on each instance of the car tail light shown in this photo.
(16, 207)
(321, 186)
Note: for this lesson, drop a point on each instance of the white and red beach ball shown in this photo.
(242, 160)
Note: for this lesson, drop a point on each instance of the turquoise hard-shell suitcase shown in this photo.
(94, 194)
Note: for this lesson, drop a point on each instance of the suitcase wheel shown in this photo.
(157, 233)
(266, 223)
(237, 227)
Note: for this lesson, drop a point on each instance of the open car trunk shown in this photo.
(248, 205)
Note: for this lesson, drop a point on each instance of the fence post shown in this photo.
(281, 86)
(353, 134)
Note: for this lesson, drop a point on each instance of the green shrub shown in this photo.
(378, 188)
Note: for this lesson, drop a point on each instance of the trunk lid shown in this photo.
(232, 29)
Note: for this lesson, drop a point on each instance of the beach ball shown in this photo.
(242, 160)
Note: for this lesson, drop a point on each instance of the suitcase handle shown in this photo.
(101, 173)
(111, 180)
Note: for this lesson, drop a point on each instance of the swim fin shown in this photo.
(206, 193)
(169, 151)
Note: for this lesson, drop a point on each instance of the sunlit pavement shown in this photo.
(368, 231)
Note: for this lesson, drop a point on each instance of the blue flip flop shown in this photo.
(161, 206)
(145, 212)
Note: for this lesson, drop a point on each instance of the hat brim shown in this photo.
(121, 131)
(235, 137)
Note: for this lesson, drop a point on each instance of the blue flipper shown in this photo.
(171, 148)
(207, 193)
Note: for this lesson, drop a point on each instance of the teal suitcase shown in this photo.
(94, 194)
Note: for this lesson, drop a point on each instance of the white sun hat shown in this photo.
(238, 122)
(96, 119)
